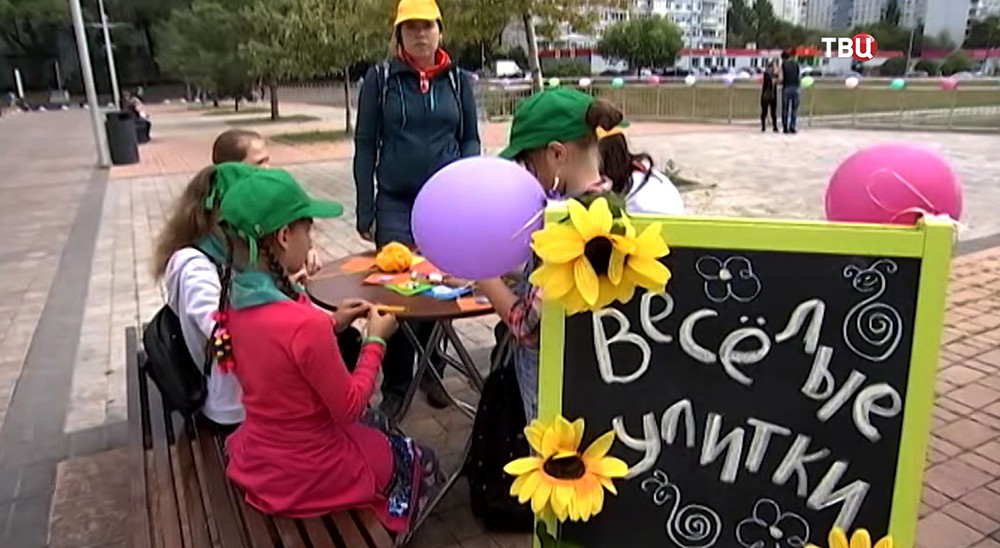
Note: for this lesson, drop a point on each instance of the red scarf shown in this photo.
(442, 61)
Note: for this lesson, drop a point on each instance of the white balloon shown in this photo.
(690, 80)
(852, 82)
(585, 82)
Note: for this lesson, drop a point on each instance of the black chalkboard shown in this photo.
(745, 301)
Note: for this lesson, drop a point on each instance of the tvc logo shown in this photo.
(861, 47)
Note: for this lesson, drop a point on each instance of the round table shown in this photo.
(333, 284)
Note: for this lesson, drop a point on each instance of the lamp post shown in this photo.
(87, 71)
(109, 50)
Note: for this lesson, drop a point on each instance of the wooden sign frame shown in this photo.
(931, 241)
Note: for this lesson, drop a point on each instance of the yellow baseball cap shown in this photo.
(417, 10)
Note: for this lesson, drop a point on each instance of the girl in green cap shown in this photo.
(188, 251)
(554, 136)
(306, 447)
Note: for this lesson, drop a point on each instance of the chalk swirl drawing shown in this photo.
(732, 278)
(694, 525)
(769, 527)
(872, 329)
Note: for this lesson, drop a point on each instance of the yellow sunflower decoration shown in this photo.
(560, 477)
(594, 258)
(860, 539)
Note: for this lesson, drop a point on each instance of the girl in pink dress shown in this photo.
(305, 448)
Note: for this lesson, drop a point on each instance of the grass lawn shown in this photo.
(742, 101)
(309, 137)
(295, 118)
(224, 111)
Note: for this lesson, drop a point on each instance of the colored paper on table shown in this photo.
(445, 293)
(379, 278)
(358, 264)
(468, 304)
(409, 290)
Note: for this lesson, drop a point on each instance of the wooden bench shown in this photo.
(181, 497)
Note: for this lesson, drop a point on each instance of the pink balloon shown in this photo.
(893, 183)
(654, 80)
(950, 83)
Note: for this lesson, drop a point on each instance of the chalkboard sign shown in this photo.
(783, 385)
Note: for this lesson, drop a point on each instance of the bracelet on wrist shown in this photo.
(375, 340)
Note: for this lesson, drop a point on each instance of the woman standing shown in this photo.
(416, 114)
(769, 97)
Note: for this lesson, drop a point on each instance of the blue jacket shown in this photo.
(406, 140)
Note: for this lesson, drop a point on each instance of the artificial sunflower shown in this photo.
(560, 477)
(594, 258)
(860, 539)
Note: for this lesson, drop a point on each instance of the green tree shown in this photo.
(984, 33)
(958, 61)
(200, 44)
(890, 37)
(650, 42)
(30, 27)
(891, 13)
(895, 66)
(739, 23)
(931, 67)
(143, 15)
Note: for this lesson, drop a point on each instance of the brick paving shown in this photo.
(962, 489)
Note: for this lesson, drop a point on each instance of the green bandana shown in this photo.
(255, 288)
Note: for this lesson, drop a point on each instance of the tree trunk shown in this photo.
(237, 107)
(348, 117)
(147, 30)
(533, 62)
(272, 91)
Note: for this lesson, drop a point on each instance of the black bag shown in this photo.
(498, 438)
(181, 383)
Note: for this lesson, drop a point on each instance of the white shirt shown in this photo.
(658, 196)
(193, 288)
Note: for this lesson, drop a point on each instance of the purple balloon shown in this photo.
(474, 218)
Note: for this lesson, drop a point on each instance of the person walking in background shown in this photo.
(791, 76)
(416, 114)
(769, 97)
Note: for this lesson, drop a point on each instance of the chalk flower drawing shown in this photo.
(732, 278)
(769, 527)
(560, 477)
(860, 539)
(872, 329)
(690, 526)
(595, 257)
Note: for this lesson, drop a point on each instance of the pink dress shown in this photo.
(302, 451)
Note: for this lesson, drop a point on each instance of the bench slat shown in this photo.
(289, 533)
(166, 518)
(380, 537)
(319, 535)
(230, 533)
(193, 506)
(259, 535)
(141, 532)
(348, 530)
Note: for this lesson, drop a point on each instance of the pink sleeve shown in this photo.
(345, 394)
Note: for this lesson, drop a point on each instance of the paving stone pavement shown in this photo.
(42, 190)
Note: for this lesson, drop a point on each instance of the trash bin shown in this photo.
(120, 126)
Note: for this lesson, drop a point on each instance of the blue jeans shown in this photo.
(790, 97)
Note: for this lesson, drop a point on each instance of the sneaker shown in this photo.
(436, 395)
(792, 131)
(392, 405)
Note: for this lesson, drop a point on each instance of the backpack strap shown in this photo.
(455, 78)
(206, 368)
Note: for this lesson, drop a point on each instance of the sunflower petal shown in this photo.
(886, 542)
(600, 447)
(861, 539)
(578, 425)
(562, 495)
(608, 484)
(541, 496)
(610, 467)
(650, 243)
(566, 434)
(534, 433)
(529, 486)
(607, 293)
(586, 280)
(838, 538)
(523, 466)
(651, 271)
(622, 243)
(580, 217)
(598, 504)
(616, 266)
(556, 280)
(550, 443)
(559, 248)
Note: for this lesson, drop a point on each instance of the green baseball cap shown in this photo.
(224, 177)
(265, 201)
(558, 115)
